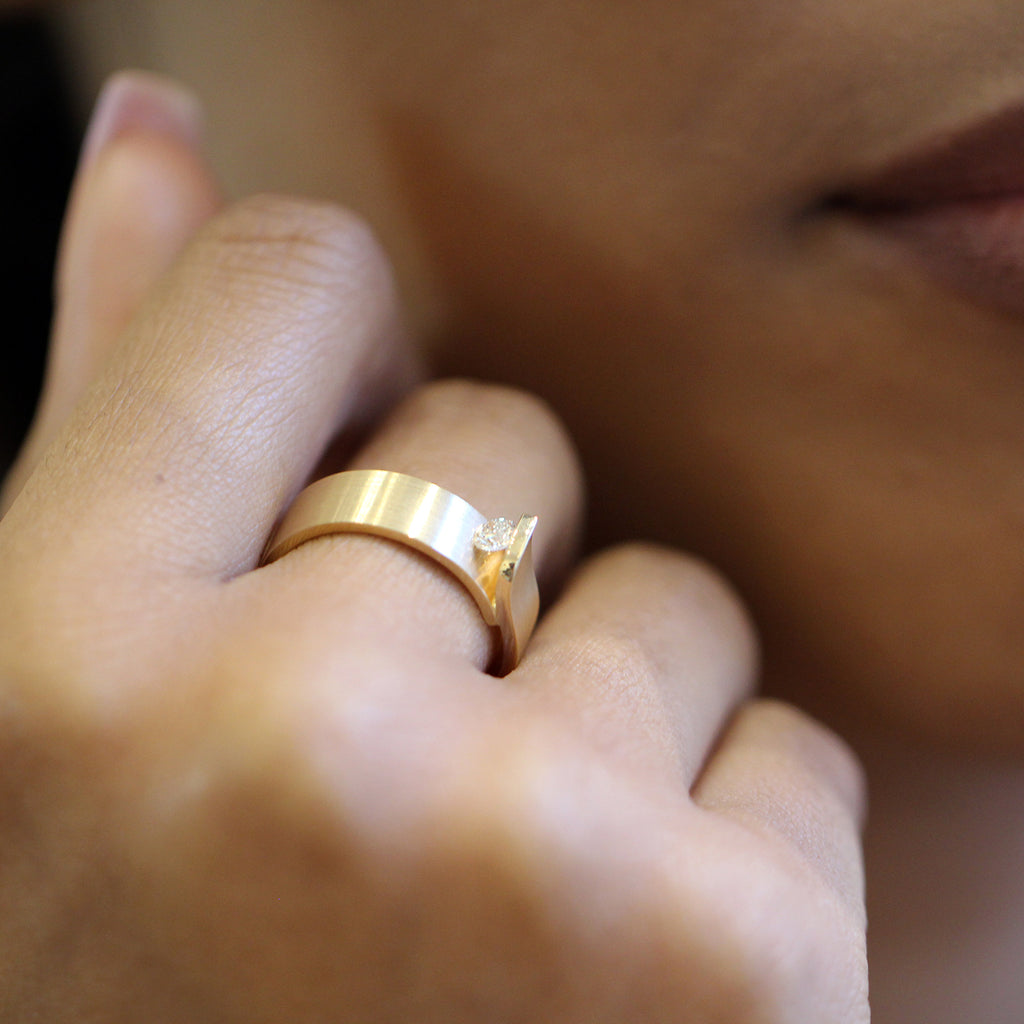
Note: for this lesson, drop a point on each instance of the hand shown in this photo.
(291, 793)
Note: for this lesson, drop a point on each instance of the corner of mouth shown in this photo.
(951, 208)
(980, 162)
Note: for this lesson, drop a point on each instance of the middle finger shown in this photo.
(650, 653)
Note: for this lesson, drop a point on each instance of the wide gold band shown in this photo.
(492, 557)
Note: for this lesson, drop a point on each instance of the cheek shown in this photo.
(840, 438)
(849, 450)
(630, 238)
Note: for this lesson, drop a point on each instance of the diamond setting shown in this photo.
(494, 535)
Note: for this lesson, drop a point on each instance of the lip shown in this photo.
(956, 205)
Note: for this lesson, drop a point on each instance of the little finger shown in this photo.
(784, 776)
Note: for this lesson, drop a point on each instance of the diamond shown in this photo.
(494, 535)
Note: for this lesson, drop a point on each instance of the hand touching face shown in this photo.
(675, 219)
(644, 214)
(291, 793)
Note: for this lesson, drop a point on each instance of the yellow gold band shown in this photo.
(492, 557)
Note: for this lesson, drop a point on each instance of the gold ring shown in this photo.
(492, 557)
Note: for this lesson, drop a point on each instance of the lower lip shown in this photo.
(975, 246)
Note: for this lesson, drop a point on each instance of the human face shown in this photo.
(629, 208)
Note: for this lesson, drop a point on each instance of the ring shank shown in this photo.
(435, 522)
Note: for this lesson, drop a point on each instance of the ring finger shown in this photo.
(500, 450)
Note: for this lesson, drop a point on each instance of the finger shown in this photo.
(277, 325)
(502, 451)
(783, 775)
(650, 651)
(141, 191)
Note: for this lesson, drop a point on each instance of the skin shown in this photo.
(306, 812)
(809, 407)
(797, 389)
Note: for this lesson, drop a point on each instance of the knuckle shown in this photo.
(504, 409)
(495, 785)
(690, 577)
(539, 801)
(613, 662)
(687, 592)
(277, 219)
(272, 800)
(814, 760)
(297, 242)
(503, 830)
(491, 432)
(235, 794)
(803, 795)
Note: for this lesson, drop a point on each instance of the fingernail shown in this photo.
(139, 101)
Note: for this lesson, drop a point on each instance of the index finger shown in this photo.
(277, 327)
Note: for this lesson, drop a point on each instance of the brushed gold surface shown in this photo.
(435, 522)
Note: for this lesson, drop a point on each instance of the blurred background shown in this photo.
(37, 153)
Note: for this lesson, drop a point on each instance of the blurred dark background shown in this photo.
(37, 154)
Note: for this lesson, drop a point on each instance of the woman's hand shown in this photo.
(291, 793)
